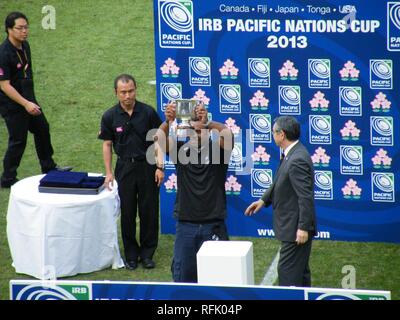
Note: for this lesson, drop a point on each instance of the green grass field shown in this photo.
(75, 66)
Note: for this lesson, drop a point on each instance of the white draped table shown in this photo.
(58, 235)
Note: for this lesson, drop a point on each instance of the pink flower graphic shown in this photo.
(232, 186)
(169, 69)
(351, 190)
(349, 72)
(320, 158)
(288, 69)
(200, 95)
(381, 160)
(171, 183)
(350, 131)
(228, 70)
(259, 101)
(319, 102)
(260, 155)
(230, 123)
(380, 103)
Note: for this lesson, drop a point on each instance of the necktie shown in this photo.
(282, 157)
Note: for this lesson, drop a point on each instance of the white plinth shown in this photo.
(225, 262)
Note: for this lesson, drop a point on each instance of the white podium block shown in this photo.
(225, 262)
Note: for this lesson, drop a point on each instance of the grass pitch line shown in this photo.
(272, 273)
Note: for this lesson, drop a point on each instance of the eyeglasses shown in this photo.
(22, 28)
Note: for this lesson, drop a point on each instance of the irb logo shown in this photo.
(289, 100)
(382, 187)
(175, 24)
(351, 160)
(259, 72)
(169, 92)
(380, 74)
(320, 129)
(319, 73)
(381, 131)
(261, 181)
(350, 101)
(393, 26)
(200, 71)
(323, 185)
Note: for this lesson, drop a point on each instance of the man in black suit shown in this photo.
(292, 199)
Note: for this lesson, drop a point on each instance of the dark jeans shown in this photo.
(188, 240)
(293, 266)
(138, 190)
(18, 124)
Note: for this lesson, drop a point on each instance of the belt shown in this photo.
(132, 160)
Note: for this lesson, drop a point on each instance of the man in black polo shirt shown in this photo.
(200, 205)
(18, 104)
(124, 127)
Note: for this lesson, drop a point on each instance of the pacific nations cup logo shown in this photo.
(393, 26)
(350, 101)
(230, 98)
(169, 92)
(200, 71)
(289, 100)
(323, 185)
(383, 187)
(320, 128)
(175, 23)
(382, 131)
(260, 128)
(351, 160)
(319, 73)
(259, 72)
(261, 181)
(236, 160)
(380, 74)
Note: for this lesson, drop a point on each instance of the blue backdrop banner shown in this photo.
(333, 66)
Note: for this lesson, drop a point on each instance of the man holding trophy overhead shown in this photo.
(201, 167)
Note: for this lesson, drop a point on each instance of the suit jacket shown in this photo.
(292, 195)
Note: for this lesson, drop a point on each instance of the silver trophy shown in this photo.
(184, 112)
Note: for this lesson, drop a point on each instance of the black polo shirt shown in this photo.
(128, 133)
(200, 196)
(16, 66)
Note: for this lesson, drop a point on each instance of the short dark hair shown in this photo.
(290, 126)
(10, 19)
(125, 78)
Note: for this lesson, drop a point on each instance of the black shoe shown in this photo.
(8, 183)
(131, 265)
(64, 168)
(148, 263)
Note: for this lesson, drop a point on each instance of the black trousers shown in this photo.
(18, 124)
(137, 189)
(293, 266)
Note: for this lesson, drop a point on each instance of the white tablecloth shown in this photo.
(57, 235)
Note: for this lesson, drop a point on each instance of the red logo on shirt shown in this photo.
(119, 129)
(19, 66)
(1, 72)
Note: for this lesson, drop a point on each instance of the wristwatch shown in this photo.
(160, 168)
